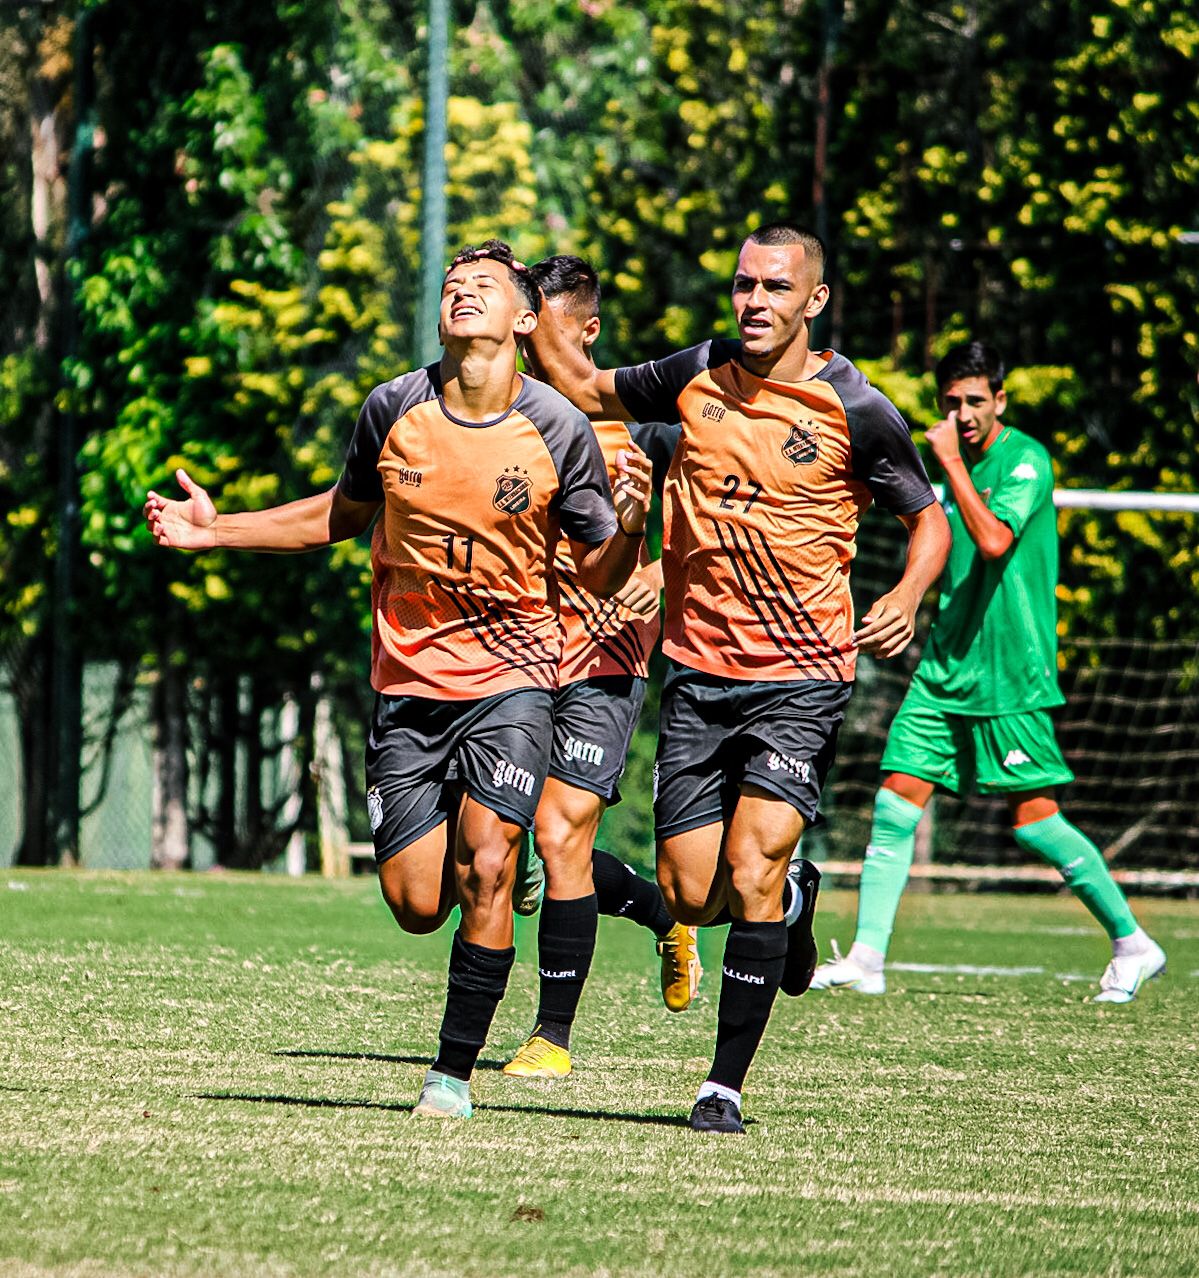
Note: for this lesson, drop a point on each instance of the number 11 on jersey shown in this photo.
(467, 545)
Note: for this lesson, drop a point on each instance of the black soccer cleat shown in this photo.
(716, 1114)
(800, 964)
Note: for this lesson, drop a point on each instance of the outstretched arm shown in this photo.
(888, 627)
(556, 360)
(307, 524)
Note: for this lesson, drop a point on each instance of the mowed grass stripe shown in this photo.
(211, 1075)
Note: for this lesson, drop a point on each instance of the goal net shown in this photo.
(1129, 668)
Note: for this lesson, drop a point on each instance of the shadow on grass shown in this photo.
(376, 1056)
(324, 1102)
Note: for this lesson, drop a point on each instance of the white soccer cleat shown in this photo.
(844, 974)
(1126, 973)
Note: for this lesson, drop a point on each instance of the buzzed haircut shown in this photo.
(774, 234)
(565, 275)
(971, 359)
(518, 272)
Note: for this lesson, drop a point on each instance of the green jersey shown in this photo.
(993, 645)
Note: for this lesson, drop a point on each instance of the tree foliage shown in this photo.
(1021, 171)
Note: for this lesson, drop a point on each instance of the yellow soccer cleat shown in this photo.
(681, 968)
(539, 1058)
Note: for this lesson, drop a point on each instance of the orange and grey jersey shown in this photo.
(600, 636)
(463, 593)
(762, 505)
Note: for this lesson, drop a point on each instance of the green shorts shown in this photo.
(993, 755)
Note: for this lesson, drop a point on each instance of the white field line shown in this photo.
(970, 969)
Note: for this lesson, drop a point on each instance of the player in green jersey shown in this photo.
(977, 712)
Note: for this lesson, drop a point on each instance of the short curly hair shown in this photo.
(500, 252)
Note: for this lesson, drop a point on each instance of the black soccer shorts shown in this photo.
(594, 721)
(717, 734)
(421, 755)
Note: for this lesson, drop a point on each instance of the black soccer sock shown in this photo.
(754, 955)
(621, 892)
(565, 946)
(478, 979)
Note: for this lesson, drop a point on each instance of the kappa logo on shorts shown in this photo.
(785, 763)
(583, 751)
(655, 798)
(509, 774)
(802, 447)
(1015, 758)
(513, 491)
(374, 808)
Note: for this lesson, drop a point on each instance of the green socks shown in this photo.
(885, 871)
(1081, 864)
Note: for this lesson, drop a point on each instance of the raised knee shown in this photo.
(418, 918)
(688, 911)
(418, 924)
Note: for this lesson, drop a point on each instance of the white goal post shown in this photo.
(1129, 728)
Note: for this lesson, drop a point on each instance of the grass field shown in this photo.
(211, 1075)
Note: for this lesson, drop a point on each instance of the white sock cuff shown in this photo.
(710, 1088)
(1134, 943)
(866, 957)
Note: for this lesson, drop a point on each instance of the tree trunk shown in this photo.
(225, 735)
(49, 81)
(247, 850)
(31, 697)
(169, 848)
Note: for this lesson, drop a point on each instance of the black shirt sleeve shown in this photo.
(584, 499)
(882, 454)
(658, 441)
(360, 479)
(650, 392)
(384, 406)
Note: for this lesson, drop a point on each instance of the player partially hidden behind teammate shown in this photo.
(601, 688)
(782, 450)
(476, 470)
(977, 712)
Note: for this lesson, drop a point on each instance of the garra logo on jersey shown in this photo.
(513, 491)
(801, 447)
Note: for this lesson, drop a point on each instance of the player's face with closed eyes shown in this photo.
(479, 301)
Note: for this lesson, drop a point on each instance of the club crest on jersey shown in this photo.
(801, 447)
(513, 491)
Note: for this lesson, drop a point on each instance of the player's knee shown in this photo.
(688, 907)
(490, 870)
(752, 880)
(418, 913)
(553, 839)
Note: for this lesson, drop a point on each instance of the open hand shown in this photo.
(182, 525)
